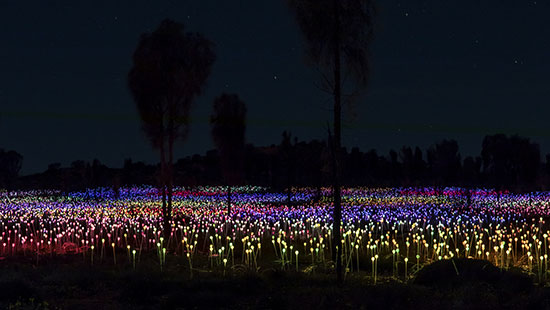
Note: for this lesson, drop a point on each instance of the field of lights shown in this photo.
(390, 232)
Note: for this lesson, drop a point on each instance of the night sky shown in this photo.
(440, 69)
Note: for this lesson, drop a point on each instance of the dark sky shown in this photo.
(440, 69)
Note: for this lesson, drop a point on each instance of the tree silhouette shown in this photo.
(471, 171)
(355, 168)
(510, 161)
(169, 71)
(10, 165)
(395, 167)
(288, 157)
(407, 161)
(444, 162)
(228, 123)
(338, 34)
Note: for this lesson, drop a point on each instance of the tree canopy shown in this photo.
(228, 123)
(337, 35)
(170, 69)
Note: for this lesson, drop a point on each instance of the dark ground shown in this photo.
(69, 283)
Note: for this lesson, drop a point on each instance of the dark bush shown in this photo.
(453, 273)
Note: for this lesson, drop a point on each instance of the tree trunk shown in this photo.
(337, 143)
(169, 183)
(228, 200)
(163, 185)
(169, 176)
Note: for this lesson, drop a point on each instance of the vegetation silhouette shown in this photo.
(228, 122)
(338, 35)
(10, 165)
(510, 162)
(170, 69)
(288, 156)
(444, 161)
(268, 166)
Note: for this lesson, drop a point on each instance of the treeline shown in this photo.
(505, 162)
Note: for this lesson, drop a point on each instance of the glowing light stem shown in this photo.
(102, 249)
(373, 274)
(406, 261)
(134, 259)
(114, 253)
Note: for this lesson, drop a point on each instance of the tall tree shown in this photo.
(170, 69)
(228, 123)
(338, 34)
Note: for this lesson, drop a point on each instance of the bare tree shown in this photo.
(338, 34)
(228, 123)
(170, 69)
